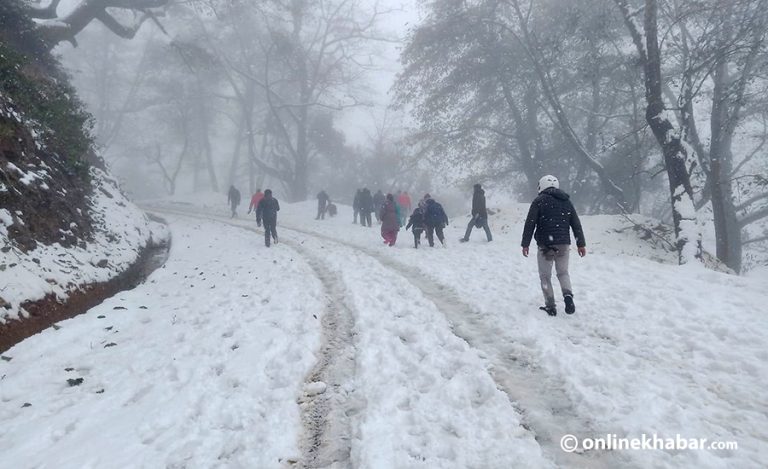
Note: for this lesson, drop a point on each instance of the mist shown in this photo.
(341, 95)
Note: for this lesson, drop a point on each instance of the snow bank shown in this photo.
(200, 366)
(121, 230)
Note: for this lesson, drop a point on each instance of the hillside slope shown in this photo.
(64, 224)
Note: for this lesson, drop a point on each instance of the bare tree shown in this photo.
(55, 29)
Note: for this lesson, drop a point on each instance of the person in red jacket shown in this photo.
(255, 199)
(404, 200)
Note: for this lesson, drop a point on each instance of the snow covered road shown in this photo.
(330, 350)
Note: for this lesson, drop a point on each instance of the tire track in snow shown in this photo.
(541, 400)
(546, 409)
(326, 414)
(326, 404)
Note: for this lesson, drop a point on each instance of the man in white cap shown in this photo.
(552, 217)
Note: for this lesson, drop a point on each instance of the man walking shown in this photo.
(366, 207)
(552, 216)
(233, 198)
(266, 212)
(479, 215)
(435, 219)
(378, 201)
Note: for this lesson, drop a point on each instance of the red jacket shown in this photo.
(255, 200)
(405, 201)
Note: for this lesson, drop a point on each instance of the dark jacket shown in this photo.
(435, 215)
(478, 203)
(356, 201)
(417, 220)
(378, 200)
(552, 216)
(267, 210)
(233, 197)
(322, 199)
(366, 201)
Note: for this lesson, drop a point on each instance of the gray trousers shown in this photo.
(558, 255)
(484, 225)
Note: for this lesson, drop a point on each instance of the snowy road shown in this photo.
(330, 351)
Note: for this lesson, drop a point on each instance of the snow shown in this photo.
(214, 345)
(122, 230)
(452, 363)
(6, 220)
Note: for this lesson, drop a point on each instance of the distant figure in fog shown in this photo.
(404, 200)
(255, 199)
(267, 212)
(233, 198)
(322, 204)
(332, 210)
(366, 207)
(390, 220)
(417, 224)
(356, 205)
(479, 215)
(378, 202)
(436, 220)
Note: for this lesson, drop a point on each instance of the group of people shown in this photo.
(363, 204)
(550, 219)
(264, 205)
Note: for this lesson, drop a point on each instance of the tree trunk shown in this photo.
(727, 232)
(676, 153)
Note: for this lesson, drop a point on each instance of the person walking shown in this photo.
(436, 220)
(390, 220)
(356, 205)
(366, 207)
(479, 215)
(322, 204)
(405, 204)
(267, 212)
(417, 224)
(550, 220)
(255, 199)
(233, 199)
(378, 202)
(423, 202)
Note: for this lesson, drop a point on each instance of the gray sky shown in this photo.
(357, 124)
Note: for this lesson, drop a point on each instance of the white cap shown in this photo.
(548, 181)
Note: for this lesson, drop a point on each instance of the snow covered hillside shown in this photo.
(332, 350)
(120, 232)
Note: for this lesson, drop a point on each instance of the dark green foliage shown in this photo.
(37, 87)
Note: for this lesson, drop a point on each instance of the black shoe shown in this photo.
(463, 240)
(551, 310)
(570, 308)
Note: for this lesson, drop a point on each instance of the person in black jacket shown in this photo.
(378, 202)
(322, 204)
(366, 207)
(436, 220)
(266, 211)
(479, 215)
(552, 216)
(417, 223)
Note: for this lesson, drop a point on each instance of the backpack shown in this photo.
(435, 214)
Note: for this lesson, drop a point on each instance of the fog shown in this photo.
(661, 114)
